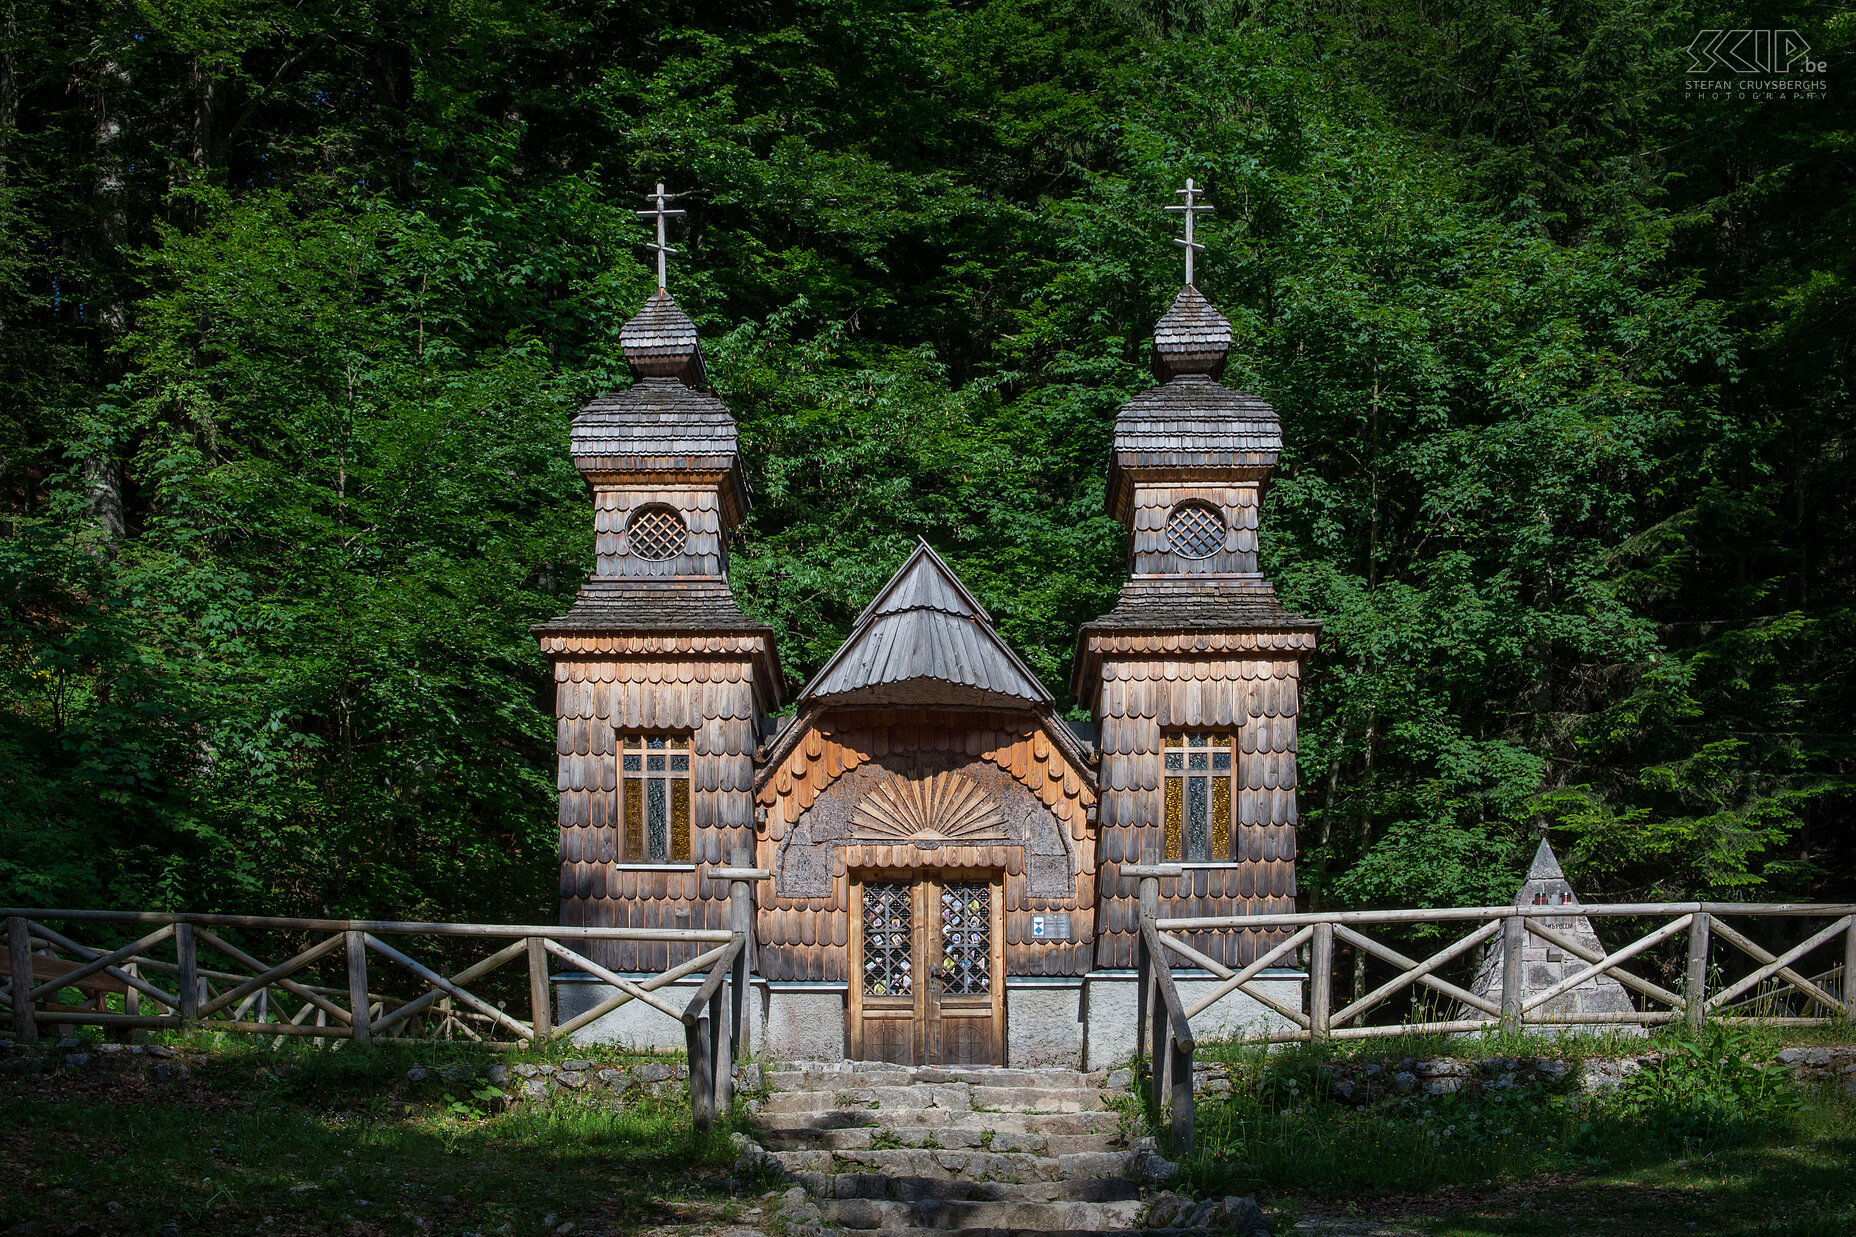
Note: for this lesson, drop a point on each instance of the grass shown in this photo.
(300, 1141)
(1709, 1140)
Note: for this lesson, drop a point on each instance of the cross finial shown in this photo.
(661, 212)
(1190, 210)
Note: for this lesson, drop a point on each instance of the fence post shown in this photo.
(741, 919)
(1180, 1062)
(1849, 966)
(357, 986)
(541, 1025)
(1694, 1000)
(1154, 1008)
(19, 959)
(702, 1087)
(722, 1065)
(1320, 982)
(187, 950)
(1514, 947)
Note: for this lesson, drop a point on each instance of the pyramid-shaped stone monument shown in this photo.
(1544, 965)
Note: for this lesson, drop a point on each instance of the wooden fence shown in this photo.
(157, 981)
(1787, 997)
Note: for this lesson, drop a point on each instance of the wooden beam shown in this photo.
(1562, 941)
(101, 962)
(439, 981)
(19, 957)
(541, 1018)
(359, 1008)
(1415, 972)
(188, 954)
(266, 978)
(1780, 965)
(426, 1000)
(623, 996)
(1234, 980)
(1606, 963)
(637, 991)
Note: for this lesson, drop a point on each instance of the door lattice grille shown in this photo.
(966, 938)
(889, 922)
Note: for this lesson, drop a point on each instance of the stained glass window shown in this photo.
(1199, 769)
(889, 945)
(966, 938)
(654, 793)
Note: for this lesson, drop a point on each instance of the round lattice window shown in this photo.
(1194, 530)
(656, 533)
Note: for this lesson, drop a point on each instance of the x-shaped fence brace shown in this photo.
(1165, 1036)
(1320, 932)
(41, 964)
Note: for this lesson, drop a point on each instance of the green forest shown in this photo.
(297, 301)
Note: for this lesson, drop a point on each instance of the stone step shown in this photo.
(966, 1216)
(918, 1189)
(816, 1076)
(1052, 1232)
(958, 1096)
(967, 1136)
(973, 1165)
(905, 1120)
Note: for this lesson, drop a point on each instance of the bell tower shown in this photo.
(1194, 677)
(661, 681)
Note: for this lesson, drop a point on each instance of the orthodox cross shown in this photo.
(1192, 208)
(661, 212)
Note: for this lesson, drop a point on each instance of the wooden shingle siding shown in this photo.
(704, 553)
(709, 697)
(1148, 545)
(1141, 698)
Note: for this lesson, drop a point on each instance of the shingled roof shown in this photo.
(1190, 422)
(1192, 337)
(1193, 420)
(924, 639)
(655, 424)
(660, 341)
(1224, 606)
(634, 606)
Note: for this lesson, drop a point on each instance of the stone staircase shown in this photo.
(933, 1150)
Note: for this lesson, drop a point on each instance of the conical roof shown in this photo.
(924, 639)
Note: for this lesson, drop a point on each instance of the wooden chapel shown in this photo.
(945, 848)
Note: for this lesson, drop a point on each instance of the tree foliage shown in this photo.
(299, 300)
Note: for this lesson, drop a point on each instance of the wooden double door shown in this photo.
(928, 968)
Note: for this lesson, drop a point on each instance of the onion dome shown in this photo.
(660, 342)
(1192, 337)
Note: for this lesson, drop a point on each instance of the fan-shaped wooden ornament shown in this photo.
(944, 808)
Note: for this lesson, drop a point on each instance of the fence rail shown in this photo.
(1703, 991)
(157, 982)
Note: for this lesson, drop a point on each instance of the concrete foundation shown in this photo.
(805, 1022)
(1110, 999)
(1050, 1022)
(1043, 1022)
